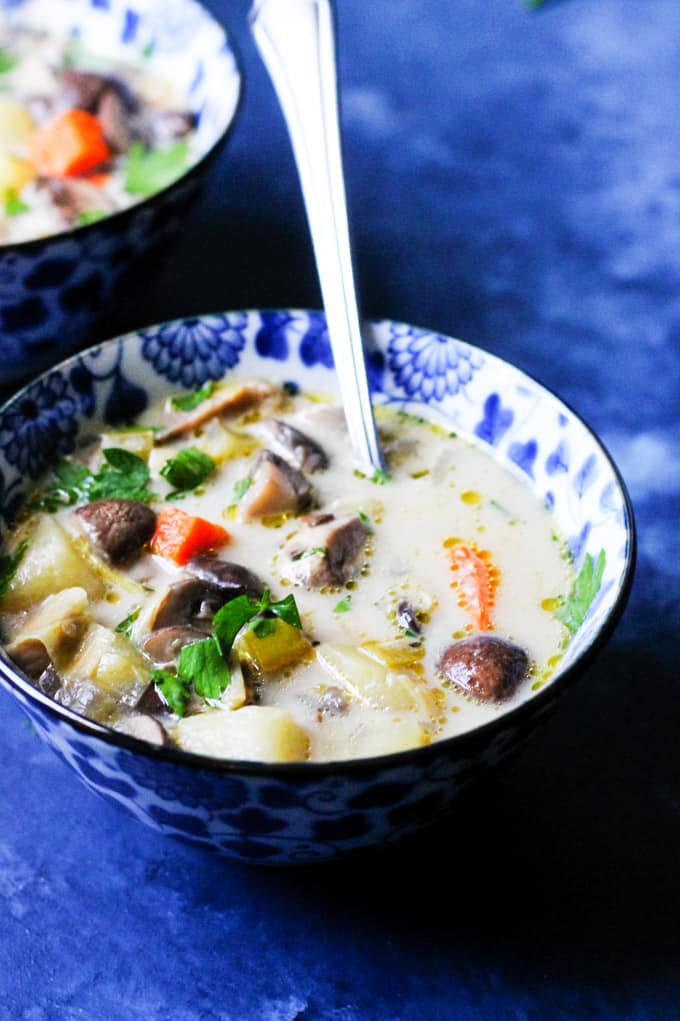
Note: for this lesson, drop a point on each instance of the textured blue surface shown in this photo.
(514, 180)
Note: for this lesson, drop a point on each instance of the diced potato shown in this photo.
(391, 734)
(16, 124)
(254, 733)
(284, 646)
(369, 681)
(14, 173)
(394, 655)
(51, 563)
(135, 441)
(58, 623)
(234, 695)
(111, 662)
(224, 444)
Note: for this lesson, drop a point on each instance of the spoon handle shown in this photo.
(297, 44)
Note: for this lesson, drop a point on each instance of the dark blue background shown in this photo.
(514, 180)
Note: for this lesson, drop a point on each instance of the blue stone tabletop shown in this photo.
(514, 180)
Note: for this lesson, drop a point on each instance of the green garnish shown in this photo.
(380, 477)
(187, 470)
(574, 610)
(205, 663)
(174, 690)
(13, 204)
(9, 562)
(122, 476)
(310, 552)
(87, 216)
(241, 487)
(150, 170)
(368, 524)
(187, 402)
(147, 51)
(7, 61)
(125, 626)
(344, 606)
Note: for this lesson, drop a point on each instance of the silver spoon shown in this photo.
(297, 44)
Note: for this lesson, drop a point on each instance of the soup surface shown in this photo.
(80, 136)
(218, 576)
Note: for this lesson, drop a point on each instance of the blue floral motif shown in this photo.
(524, 455)
(558, 461)
(315, 346)
(40, 425)
(577, 543)
(429, 366)
(271, 340)
(191, 351)
(585, 476)
(496, 421)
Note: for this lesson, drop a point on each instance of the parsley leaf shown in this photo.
(7, 61)
(67, 485)
(174, 690)
(9, 562)
(187, 402)
(88, 216)
(150, 170)
(344, 606)
(187, 470)
(202, 664)
(585, 588)
(231, 617)
(125, 626)
(123, 476)
(380, 477)
(241, 487)
(13, 204)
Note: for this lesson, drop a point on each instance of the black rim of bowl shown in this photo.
(480, 735)
(121, 216)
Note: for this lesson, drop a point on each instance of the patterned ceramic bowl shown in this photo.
(54, 290)
(286, 813)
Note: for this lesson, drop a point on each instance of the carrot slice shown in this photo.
(180, 536)
(71, 144)
(476, 579)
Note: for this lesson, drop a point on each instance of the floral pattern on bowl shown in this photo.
(287, 813)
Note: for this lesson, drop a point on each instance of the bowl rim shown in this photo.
(120, 216)
(484, 733)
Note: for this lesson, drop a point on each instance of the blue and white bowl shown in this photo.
(55, 290)
(286, 813)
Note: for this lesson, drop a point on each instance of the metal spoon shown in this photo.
(297, 44)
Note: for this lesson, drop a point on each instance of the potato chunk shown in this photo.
(254, 733)
(369, 681)
(111, 662)
(51, 563)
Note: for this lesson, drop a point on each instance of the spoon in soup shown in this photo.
(296, 41)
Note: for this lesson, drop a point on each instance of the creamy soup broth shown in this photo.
(448, 548)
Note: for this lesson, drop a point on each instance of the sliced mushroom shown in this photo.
(229, 402)
(231, 579)
(84, 88)
(326, 551)
(407, 617)
(164, 645)
(301, 450)
(485, 666)
(114, 117)
(276, 488)
(151, 701)
(119, 529)
(193, 602)
(73, 195)
(144, 727)
(52, 632)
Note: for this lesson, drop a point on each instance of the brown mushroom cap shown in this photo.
(485, 666)
(119, 529)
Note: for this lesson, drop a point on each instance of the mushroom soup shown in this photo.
(81, 136)
(219, 577)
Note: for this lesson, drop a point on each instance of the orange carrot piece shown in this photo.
(71, 144)
(476, 578)
(180, 536)
(100, 180)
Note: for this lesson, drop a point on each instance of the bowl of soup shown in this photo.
(222, 625)
(110, 115)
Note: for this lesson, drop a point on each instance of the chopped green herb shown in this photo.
(187, 402)
(150, 170)
(13, 204)
(147, 51)
(368, 524)
(380, 477)
(187, 470)
(310, 552)
(203, 665)
(241, 487)
(263, 626)
(344, 606)
(174, 689)
(574, 610)
(125, 626)
(88, 216)
(65, 487)
(9, 562)
(7, 61)
(123, 476)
